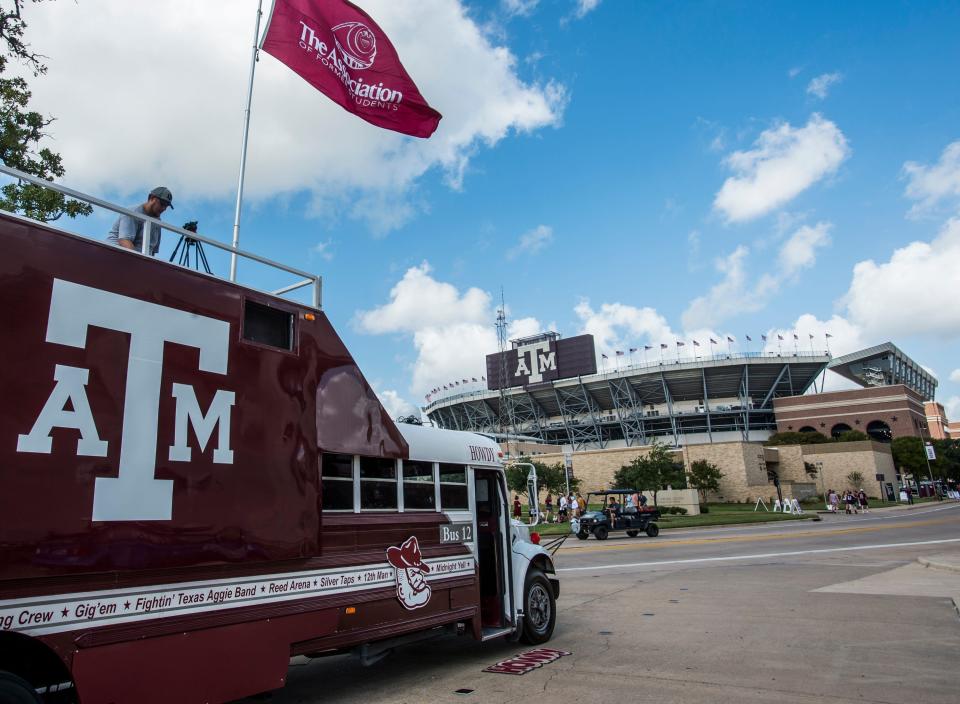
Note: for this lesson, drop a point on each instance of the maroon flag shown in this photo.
(663, 346)
(750, 339)
(338, 49)
(696, 344)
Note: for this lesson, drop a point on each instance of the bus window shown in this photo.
(378, 483)
(418, 493)
(337, 480)
(453, 486)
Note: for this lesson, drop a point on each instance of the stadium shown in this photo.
(546, 389)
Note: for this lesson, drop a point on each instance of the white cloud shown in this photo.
(952, 407)
(820, 86)
(893, 299)
(520, 7)
(727, 298)
(323, 249)
(451, 332)
(734, 295)
(532, 242)
(795, 71)
(418, 301)
(585, 6)
(800, 250)
(955, 375)
(785, 162)
(617, 326)
(931, 184)
(159, 99)
(395, 405)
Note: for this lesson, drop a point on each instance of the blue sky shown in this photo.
(647, 172)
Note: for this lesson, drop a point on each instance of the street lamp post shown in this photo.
(823, 492)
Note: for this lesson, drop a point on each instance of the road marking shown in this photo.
(754, 538)
(762, 556)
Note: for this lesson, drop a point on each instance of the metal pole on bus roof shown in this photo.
(243, 148)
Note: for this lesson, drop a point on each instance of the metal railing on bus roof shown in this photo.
(309, 279)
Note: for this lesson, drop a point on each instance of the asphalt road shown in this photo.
(834, 611)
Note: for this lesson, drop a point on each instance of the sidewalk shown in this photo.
(894, 509)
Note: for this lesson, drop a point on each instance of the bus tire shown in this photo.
(601, 532)
(653, 530)
(539, 608)
(16, 690)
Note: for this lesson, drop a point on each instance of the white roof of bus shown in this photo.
(436, 445)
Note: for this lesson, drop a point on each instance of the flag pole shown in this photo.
(243, 148)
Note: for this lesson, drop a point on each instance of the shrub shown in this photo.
(704, 509)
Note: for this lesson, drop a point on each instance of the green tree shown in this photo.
(22, 130)
(550, 478)
(704, 476)
(856, 480)
(910, 457)
(791, 438)
(852, 436)
(653, 472)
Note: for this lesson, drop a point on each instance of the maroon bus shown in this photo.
(195, 473)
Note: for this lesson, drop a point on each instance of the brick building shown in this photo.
(882, 412)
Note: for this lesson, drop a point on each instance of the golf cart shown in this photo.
(615, 517)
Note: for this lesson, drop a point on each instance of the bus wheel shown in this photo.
(653, 530)
(583, 535)
(633, 533)
(16, 690)
(601, 532)
(539, 608)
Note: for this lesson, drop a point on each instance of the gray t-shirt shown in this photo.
(128, 228)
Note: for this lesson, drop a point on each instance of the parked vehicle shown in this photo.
(197, 483)
(601, 523)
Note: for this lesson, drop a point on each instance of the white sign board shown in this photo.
(931, 454)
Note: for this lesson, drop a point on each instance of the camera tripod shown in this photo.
(192, 255)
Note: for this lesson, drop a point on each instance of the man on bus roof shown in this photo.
(128, 231)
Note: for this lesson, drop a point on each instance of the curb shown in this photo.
(938, 564)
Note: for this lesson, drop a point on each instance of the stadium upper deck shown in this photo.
(711, 399)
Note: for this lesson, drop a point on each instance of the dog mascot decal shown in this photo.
(412, 588)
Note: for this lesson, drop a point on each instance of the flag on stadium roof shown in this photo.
(632, 350)
(663, 345)
(764, 337)
(779, 337)
(750, 339)
(828, 335)
(730, 339)
(680, 344)
(619, 353)
(696, 344)
(712, 341)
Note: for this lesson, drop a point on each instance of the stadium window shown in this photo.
(453, 486)
(378, 484)
(418, 486)
(336, 473)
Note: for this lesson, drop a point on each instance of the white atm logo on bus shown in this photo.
(133, 495)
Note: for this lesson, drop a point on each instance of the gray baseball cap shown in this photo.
(164, 194)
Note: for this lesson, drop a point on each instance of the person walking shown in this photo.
(549, 508)
(517, 511)
(562, 506)
(862, 498)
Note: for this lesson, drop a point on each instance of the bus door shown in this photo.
(492, 550)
